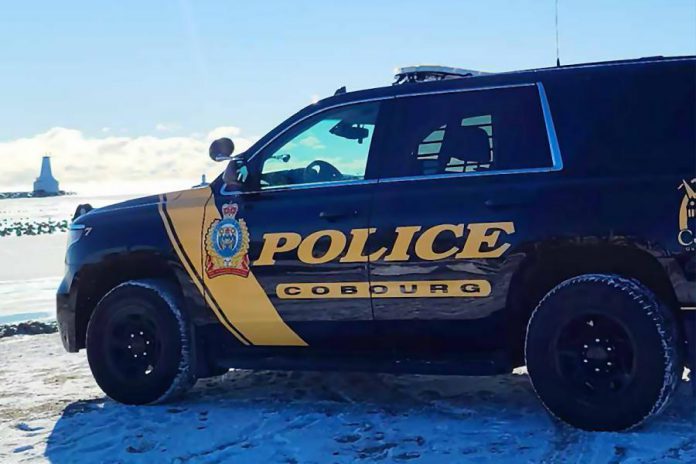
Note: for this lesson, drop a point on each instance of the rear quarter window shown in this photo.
(626, 120)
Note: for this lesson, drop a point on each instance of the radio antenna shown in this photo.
(558, 53)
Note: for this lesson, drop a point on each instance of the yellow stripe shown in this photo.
(192, 274)
(391, 289)
(241, 300)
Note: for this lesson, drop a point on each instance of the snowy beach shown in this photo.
(53, 411)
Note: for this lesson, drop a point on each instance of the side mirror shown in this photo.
(221, 149)
(284, 157)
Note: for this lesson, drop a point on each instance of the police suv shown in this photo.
(453, 223)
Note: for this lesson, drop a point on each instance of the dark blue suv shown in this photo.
(450, 224)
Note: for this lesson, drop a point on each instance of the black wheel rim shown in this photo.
(133, 347)
(595, 356)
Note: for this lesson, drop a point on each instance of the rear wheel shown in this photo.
(602, 352)
(138, 343)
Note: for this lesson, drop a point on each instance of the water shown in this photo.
(56, 208)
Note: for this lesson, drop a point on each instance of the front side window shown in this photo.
(468, 132)
(331, 147)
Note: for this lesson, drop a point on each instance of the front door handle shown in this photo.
(333, 215)
(510, 200)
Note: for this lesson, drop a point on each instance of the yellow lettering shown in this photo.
(272, 245)
(426, 242)
(337, 242)
(357, 247)
(485, 234)
(482, 241)
(404, 236)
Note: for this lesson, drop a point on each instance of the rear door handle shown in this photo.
(333, 215)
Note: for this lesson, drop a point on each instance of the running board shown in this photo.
(492, 364)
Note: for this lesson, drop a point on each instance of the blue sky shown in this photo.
(196, 65)
(183, 68)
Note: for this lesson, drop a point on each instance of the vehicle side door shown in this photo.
(454, 201)
(301, 218)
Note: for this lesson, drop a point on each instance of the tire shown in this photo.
(133, 318)
(215, 372)
(602, 352)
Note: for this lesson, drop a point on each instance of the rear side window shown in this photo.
(467, 132)
(470, 143)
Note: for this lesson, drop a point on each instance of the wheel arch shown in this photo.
(549, 265)
(96, 280)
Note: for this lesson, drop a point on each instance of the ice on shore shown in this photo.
(31, 266)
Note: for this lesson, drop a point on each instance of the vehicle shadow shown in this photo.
(295, 417)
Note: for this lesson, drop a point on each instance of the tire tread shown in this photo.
(660, 315)
(185, 377)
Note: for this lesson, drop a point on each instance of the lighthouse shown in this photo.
(46, 184)
(203, 183)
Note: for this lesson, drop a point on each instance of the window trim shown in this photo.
(281, 188)
(555, 151)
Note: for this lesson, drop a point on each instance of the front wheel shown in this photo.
(602, 352)
(139, 343)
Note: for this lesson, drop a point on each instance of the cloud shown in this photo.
(225, 131)
(313, 142)
(111, 159)
(166, 127)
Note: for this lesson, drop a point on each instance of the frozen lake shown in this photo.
(31, 267)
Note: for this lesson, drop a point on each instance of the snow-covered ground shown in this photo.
(51, 410)
(30, 271)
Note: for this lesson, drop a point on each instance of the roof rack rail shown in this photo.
(424, 73)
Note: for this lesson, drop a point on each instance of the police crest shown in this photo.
(227, 244)
(687, 216)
